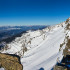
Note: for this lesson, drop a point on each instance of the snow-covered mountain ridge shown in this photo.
(41, 48)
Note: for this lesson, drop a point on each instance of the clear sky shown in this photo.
(33, 12)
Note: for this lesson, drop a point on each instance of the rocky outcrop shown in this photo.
(10, 62)
(66, 51)
(59, 68)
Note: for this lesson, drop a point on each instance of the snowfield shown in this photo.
(45, 55)
(1, 68)
(43, 47)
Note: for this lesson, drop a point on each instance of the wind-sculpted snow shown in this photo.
(42, 47)
(45, 55)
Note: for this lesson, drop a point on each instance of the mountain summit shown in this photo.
(68, 20)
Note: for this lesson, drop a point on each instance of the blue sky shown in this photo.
(33, 12)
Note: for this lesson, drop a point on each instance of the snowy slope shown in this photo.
(1, 68)
(46, 54)
(42, 47)
(29, 40)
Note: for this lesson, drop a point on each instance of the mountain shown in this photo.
(42, 49)
(9, 31)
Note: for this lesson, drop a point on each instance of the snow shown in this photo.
(68, 49)
(29, 40)
(2, 69)
(45, 55)
(43, 49)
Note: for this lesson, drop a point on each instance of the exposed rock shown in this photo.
(59, 68)
(10, 62)
(68, 20)
(66, 51)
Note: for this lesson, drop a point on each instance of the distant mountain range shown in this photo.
(9, 31)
